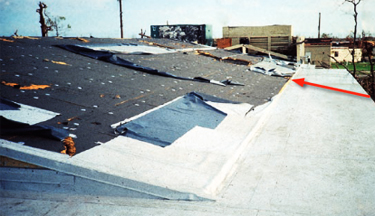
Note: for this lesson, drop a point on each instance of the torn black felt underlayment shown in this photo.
(11, 127)
(8, 105)
(112, 58)
(166, 124)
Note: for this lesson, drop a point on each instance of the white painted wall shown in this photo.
(345, 54)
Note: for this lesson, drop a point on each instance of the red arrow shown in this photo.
(301, 82)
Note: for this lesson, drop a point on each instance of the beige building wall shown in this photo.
(342, 54)
(274, 37)
(319, 54)
(300, 49)
(257, 31)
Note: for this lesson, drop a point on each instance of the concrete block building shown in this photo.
(315, 51)
(275, 38)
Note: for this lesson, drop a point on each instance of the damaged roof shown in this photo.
(308, 151)
(91, 94)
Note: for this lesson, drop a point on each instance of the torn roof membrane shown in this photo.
(163, 126)
(128, 48)
(24, 113)
(107, 56)
(11, 127)
(271, 68)
(8, 105)
(20, 119)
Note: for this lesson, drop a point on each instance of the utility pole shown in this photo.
(122, 33)
(319, 27)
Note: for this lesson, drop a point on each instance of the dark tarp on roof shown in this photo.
(166, 124)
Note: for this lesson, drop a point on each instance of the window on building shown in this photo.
(244, 40)
(336, 54)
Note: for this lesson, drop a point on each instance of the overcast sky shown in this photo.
(100, 18)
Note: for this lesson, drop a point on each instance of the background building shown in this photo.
(318, 51)
(275, 38)
(201, 34)
(344, 54)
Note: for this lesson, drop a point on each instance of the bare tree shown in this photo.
(355, 15)
(56, 24)
(325, 35)
(369, 46)
(42, 21)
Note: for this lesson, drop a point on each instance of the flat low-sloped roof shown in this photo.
(309, 152)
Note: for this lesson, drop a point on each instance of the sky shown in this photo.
(100, 18)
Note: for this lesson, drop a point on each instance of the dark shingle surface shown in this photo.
(109, 93)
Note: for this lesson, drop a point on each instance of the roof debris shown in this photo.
(31, 87)
(69, 120)
(57, 62)
(273, 67)
(82, 39)
(226, 59)
(257, 49)
(143, 34)
(157, 44)
(69, 146)
(6, 40)
(25, 37)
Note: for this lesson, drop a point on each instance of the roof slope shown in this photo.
(91, 94)
(311, 152)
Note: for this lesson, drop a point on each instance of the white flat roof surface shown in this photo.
(315, 153)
